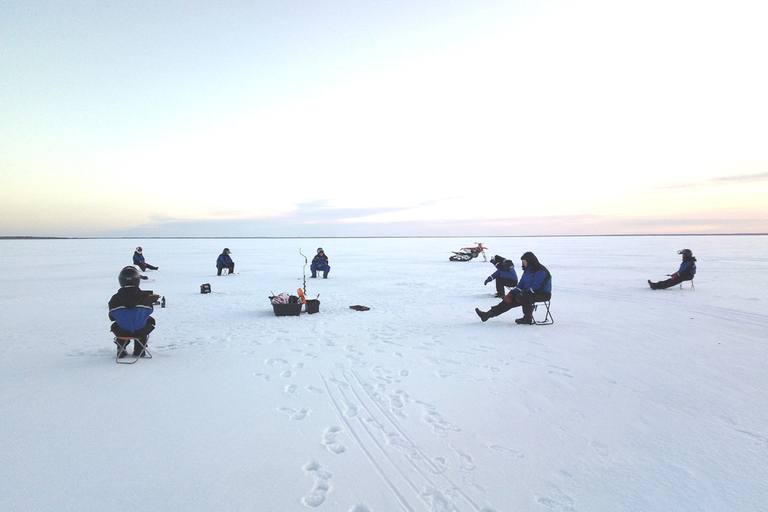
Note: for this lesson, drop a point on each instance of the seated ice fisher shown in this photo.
(320, 262)
(138, 260)
(130, 309)
(686, 272)
(225, 261)
(505, 275)
(535, 286)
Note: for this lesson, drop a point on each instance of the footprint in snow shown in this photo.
(330, 442)
(508, 451)
(322, 476)
(295, 414)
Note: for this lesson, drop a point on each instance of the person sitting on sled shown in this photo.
(505, 275)
(138, 260)
(535, 286)
(686, 272)
(130, 309)
(320, 262)
(224, 261)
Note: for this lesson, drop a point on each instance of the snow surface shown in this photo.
(634, 400)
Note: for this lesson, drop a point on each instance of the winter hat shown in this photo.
(496, 260)
(319, 250)
(138, 249)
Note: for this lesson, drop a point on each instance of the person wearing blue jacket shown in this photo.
(138, 260)
(686, 272)
(320, 262)
(535, 285)
(225, 261)
(505, 275)
(130, 309)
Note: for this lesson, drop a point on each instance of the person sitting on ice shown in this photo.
(686, 272)
(505, 275)
(535, 286)
(138, 260)
(225, 261)
(130, 309)
(320, 262)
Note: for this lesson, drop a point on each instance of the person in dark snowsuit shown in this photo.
(686, 272)
(535, 286)
(138, 260)
(505, 275)
(130, 309)
(224, 261)
(320, 262)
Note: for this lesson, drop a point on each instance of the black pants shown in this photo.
(671, 282)
(141, 333)
(501, 283)
(145, 266)
(526, 300)
(231, 268)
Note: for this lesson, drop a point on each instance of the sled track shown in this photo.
(405, 468)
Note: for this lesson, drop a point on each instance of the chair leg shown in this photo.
(548, 320)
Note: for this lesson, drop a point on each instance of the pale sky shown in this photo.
(333, 118)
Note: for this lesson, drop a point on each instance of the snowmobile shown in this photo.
(468, 253)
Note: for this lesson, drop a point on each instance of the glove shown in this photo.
(488, 280)
(674, 276)
(508, 297)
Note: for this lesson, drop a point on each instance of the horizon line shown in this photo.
(154, 237)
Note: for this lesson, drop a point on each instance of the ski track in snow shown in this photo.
(373, 410)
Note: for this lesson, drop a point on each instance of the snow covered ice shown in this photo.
(634, 400)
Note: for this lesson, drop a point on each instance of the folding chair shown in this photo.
(548, 320)
(122, 343)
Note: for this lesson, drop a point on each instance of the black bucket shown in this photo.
(313, 306)
(287, 309)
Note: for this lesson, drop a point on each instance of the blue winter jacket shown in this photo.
(535, 281)
(138, 259)
(130, 308)
(505, 274)
(687, 267)
(223, 260)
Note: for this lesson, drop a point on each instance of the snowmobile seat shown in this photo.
(122, 343)
(547, 320)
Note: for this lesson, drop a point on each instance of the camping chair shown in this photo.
(548, 320)
(691, 281)
(122, 343)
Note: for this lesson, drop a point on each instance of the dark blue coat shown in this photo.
(505, 274)
(535, 280)
(130, 308)
(687, 268)
(223, 261)
(138, 259)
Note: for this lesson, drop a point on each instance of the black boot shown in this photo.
(121, 345)
(653, 285)
(138, 348)
(483, 315)
(526, 320)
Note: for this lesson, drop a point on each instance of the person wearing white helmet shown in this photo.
(320, 262)
(138, 260)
